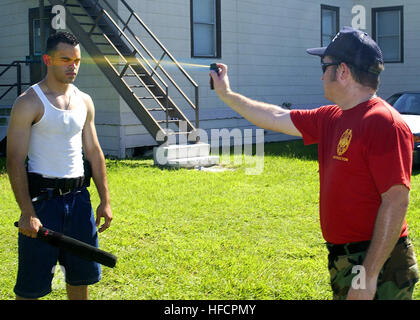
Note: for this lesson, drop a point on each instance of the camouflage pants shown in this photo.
(396, 280)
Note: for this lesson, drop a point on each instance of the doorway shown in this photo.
(35, 51)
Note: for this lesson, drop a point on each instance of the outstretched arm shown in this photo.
(264, 115)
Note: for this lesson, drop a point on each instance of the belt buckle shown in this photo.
(60, 191)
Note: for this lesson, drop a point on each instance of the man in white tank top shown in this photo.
(51, 123)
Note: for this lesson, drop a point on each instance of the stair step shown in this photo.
(188, 163)
(170, 121)
(133, 75)
(149, 98)
(141, 86)
(176, 133)
(172, 152)
(160, 109)
(184, 156)
(107, 44)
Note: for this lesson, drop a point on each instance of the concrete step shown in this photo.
(184, 156)
(206, 161)
(184, 151)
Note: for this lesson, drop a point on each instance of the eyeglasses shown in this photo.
(325, 65)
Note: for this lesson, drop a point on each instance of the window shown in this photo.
(387, 30)
(329, 24)
(205, 28)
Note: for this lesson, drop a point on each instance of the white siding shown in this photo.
(107, 105)
(401, 76)
(14, 45)
(263, 42)
(14, 40)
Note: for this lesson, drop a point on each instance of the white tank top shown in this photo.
(55, 147)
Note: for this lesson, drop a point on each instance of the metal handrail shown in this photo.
(164, 49)
(166, 52)
(18, 84)
(105, 16)
(131, 43)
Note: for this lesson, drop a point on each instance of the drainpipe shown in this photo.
(42, 34)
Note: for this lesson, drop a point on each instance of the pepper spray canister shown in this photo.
(214, 67)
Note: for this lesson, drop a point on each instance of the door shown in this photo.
(35, 53)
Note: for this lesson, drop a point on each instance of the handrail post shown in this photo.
(19, 79)
(197, 124)
(167, 108)
(18, 84)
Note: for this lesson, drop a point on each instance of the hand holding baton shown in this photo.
(76, 247)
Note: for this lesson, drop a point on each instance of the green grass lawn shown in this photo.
(189, 234)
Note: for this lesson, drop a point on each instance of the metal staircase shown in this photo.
(118, 46)
(7, 87)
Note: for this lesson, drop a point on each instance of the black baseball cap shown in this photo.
(354, 47)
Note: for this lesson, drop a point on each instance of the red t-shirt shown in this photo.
(362, 152)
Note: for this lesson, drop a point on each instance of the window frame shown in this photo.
(218, 38)
(400, 9)
(337, 18)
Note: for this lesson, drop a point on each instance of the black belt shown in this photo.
(41, 188)
(353, 247)
(47, 194)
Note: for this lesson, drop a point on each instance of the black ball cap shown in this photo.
(354, 47)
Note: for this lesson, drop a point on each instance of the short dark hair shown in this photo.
(60, 37)
(365, 78)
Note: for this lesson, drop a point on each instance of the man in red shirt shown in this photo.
(365, 161)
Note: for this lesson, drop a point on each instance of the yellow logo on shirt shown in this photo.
(343, 145)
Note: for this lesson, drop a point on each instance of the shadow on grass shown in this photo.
(292, 149)
(129, 163)
(289, 149)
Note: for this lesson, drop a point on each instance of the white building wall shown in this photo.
(400, 76)
(91, 80)
(14, 40)
(263, 42)
(14, 45)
